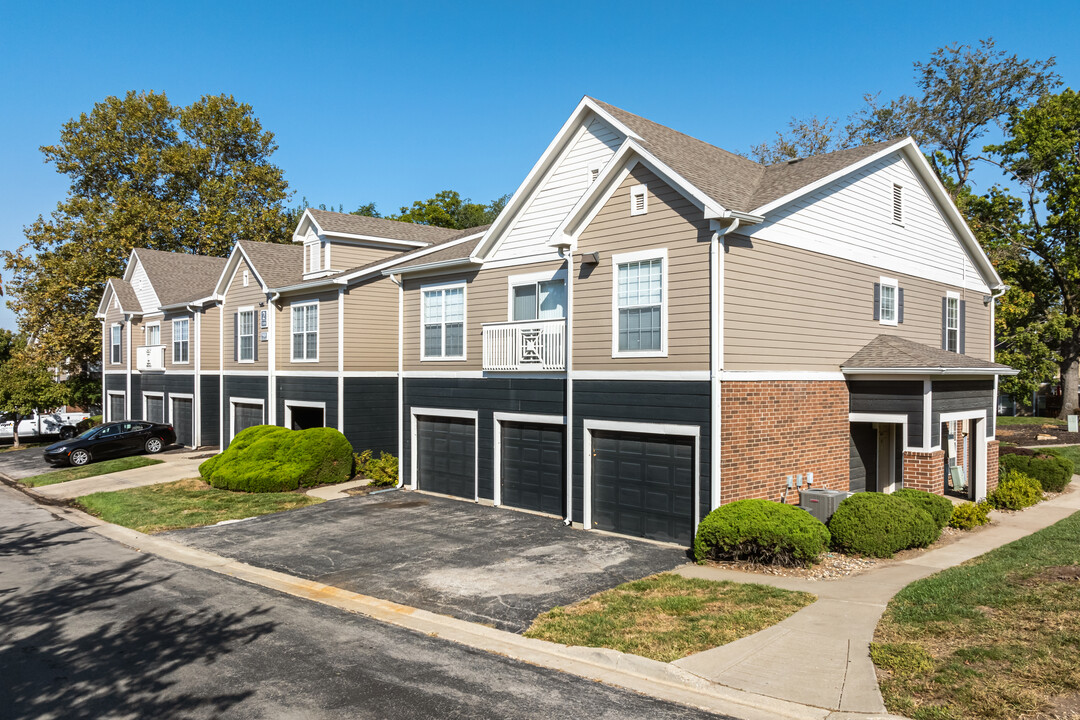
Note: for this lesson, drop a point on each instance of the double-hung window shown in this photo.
(114, 345)
(181, 343)
(640, 293)
(538, 300)
(153, 334)
(305, 331)
(952, 322)
(444, 323)
(888, 302)
(245, 336)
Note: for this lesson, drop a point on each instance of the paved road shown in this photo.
(91, 629)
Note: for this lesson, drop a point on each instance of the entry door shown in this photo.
(886, 467)
(116, 408)
(643, 485)
(246, 415)
(182, 420)
(446, 456)
(531, 468)
(155, 408)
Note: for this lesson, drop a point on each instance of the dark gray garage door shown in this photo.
(532, 467)
(446, 456)
(643, 485)
(181, 419)
(155, 408)
(116, 408)
(246, 415)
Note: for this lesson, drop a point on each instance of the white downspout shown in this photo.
(565, 253)
(716, 354)
(104, 388)
(221, 378)
(271, 355)
(396, 279)
(196, 401)
(127, 392)
(340, 354)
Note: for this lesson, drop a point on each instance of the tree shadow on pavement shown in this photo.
(104, 643)
(28, 538)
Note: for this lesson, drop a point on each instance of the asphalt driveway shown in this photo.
(482, 564)
(18, 464)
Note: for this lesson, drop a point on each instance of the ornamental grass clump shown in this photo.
(760, 531)
(880, 525)
(266, 458)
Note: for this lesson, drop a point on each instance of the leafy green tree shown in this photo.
(811, 136)
(447, 209)
(142, 172)
(26, 384)
(367, 210)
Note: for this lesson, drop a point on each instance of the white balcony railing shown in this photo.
(530, 345)
(150, 357)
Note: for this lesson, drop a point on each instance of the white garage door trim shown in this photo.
(233, 402)
(171, 414)
(112, 394)
(500, 418)
(690, 431)
(145, 413)
(290, 404)
(473, 415)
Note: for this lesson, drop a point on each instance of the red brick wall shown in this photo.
(772, 429)
(991, 465)
(925, 471)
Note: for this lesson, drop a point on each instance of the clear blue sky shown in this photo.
(391, 102)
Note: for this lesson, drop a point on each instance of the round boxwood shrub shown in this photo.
(939, 508)
(966, 516)
(1052, 472)
(266, 458)
(762, 531)
(880, 525)
(1015, 491)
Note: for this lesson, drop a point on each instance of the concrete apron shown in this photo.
(665, 681)
(820, 655)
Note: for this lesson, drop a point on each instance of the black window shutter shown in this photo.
(900, 305)
(963, 325)
(877, 301)
(944, 323)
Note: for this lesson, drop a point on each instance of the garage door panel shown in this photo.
(182, 420)
(246, 415)
(532, 467)
(446, 456)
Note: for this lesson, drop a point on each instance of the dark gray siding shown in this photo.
(115, 383)
(487, 395)
(679, 403)
(891, 396)
(371, 414)
(959, 395)
(310, 389)
(159, 382)
(248, 386)
(135, 398)
(210, 409)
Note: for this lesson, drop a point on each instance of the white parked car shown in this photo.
(55, 424)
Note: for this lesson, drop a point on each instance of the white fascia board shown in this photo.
(378, 239)
(297, 237)
(226, 275)
(438, 265)
(191, 303)
(132, 259)
(314, 285)
(376, 270)
(103, 306)
(928, 371)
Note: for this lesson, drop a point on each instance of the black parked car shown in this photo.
(112, 440)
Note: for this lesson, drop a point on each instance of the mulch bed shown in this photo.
(1025, 435)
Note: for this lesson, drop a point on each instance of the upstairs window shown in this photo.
(153, 334)
(640, 299)
(114, 345)
(952, 322)
(444, 323)
(897, 204)
(180, 340)
(541, 300)
(305, 331)
(639, 200)
(245, 336)
(887, 305)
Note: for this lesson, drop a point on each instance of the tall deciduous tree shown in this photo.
(26, 384)
(811, 136)
(447, 209)
(143, 173)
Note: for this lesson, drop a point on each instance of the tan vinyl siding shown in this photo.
(239, 296)
(371, 334)
(486, 301)
(210, 346)
(672, 222)
(328, 333)
(113, 316)
(792, 309)
(344, 256)
(167, 341)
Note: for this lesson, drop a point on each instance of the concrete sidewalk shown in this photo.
(173, 467)
(820, 655)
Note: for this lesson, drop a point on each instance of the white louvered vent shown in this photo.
(594, 173)
(897, 204)
(639, 200)
(245, 278)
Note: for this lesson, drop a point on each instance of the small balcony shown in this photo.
(526, 345)
(149, 358)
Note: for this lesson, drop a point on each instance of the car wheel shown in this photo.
(154, 445)
(67, 433)
(79, 457)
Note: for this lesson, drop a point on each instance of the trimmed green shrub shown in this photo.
(966, 516)
(1015, 491)
(87, 423)
(939, 508)
(382, 470)
(266, 458)
(880, 525)
(762, 531)
(1052, 472)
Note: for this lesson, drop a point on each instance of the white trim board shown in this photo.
(290, 404)
(108, 406)
(498, 419)
(888, 419)
(233, 402)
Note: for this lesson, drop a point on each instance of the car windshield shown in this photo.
(89, 433)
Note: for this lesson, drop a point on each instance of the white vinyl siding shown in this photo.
(245, 336)
(444, 323)
(305, 332)
(144, 291)
(952, 322)
(639, 304)
(897, 204)
(115, 347)
(181, 340)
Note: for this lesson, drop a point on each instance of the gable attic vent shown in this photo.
(639, 200)
(897, 204)
(594, 172)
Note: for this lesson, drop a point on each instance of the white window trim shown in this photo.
(692, 431)
(108, 407)
(292, 330)
(164, 410)
(424, 357)
(950, 296)
(884, 282)
(473, 415)
(896, 187)
(146, 333)
(531, 279)
(500, 418)
(290, 404)
(233, 402)
(119, 344)
(254, 334)
(188, 341)
(635, 191)
(637, 256)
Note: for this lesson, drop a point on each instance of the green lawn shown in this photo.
(185, 503)
(667, 616)
(997, 637)
(1005, 420)
(78, 473)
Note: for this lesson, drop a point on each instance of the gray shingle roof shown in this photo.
(334, 222)
(461, 250)
(787, 177)
(180, 277)
(278, 264)
(886, 352)
(126, 295)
